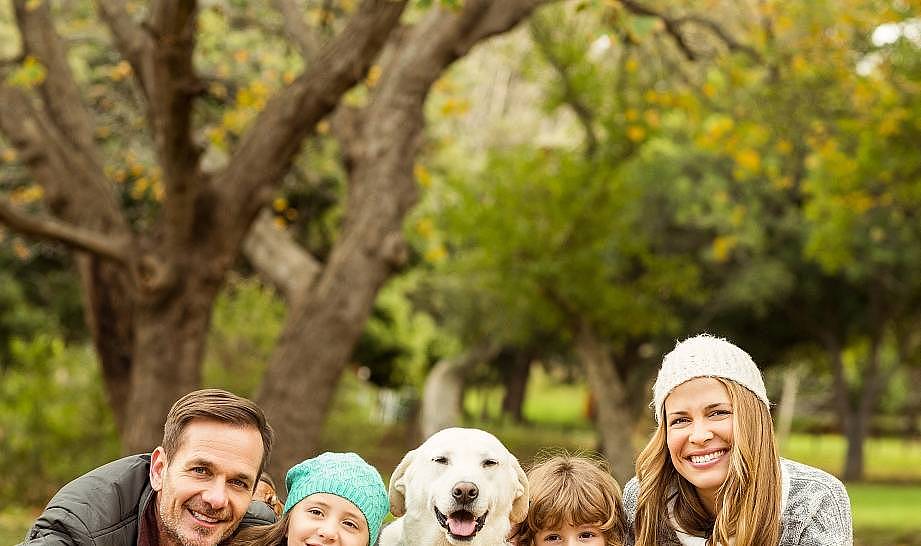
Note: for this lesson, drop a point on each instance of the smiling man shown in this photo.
(194, 489)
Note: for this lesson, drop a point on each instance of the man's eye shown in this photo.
(239, 483)
(200, 470)
(441, 459)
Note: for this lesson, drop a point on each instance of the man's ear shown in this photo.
(158, 463)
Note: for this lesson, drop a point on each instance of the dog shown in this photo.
(461, 487)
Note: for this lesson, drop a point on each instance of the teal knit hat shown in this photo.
(346, 475)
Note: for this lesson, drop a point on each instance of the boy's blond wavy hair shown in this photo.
(577, 490)
(748, 502)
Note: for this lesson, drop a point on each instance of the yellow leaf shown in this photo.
(709, 90)
(748, 160)
(241, 55)
(21, 250)
(632, 65)
(374, 75)
(8, 155)
(631, 114)
(651, 117)
(279, 223)
(455, 107)
(425, 227)
(323, 127)
(423, 176)
(33, 5)
(436, 254)
(636, 133)
(30, 73)
(120, 71)
(280, 204)
(722, 247)
(291, 214)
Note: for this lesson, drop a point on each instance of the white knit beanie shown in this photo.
(706, 356)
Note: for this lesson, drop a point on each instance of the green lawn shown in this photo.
(885, 459)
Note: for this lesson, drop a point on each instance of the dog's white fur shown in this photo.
(425, 478)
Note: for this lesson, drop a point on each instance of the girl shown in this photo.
(710, 474)
(574, 502)
(336, 498)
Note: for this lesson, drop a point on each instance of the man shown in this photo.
(195, 488)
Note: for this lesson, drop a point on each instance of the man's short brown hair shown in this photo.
(216, 405)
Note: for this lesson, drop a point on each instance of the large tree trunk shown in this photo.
(515, 378)
(380, 144)
(613, 414)
(787, 406)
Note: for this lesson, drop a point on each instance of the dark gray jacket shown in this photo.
(101, 508)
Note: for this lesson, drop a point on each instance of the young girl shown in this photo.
(710, 474)
(336, 498)
(574, 502)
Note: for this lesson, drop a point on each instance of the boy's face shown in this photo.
(570, 535)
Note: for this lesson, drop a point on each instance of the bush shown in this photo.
(55, 423)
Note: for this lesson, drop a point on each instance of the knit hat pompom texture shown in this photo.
(346, 475)
(706, 356)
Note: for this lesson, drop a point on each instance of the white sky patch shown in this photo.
(890, 32)
(599, 47)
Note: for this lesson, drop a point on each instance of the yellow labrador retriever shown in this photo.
(460, 487)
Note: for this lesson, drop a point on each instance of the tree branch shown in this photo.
(131, 39)
(99, 244)
(267, 149)
(673, 26)
(541, 36)
(296, 29)
(58, 90)
(278, 258)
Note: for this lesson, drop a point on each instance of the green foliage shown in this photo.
(54, 420)
(246, 322)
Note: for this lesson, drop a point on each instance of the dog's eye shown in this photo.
(441, 459)
(489, 462)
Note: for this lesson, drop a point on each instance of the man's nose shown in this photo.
(216, 495)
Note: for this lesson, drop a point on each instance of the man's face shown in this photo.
(204, 489)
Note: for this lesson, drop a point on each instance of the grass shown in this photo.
(885, 459)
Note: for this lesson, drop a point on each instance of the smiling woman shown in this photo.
(710, 475)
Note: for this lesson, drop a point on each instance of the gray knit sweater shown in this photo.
(815, 509)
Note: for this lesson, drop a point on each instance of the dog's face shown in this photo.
(463, 483)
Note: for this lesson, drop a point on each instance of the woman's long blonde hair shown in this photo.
(748, 501)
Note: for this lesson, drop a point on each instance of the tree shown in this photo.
(149, 285)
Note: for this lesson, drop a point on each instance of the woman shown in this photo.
(710, 475)
(335, 498)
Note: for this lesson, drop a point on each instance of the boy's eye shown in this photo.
(587, 534)
(551, 537)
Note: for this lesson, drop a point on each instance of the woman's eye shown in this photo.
(440, 459)
(678, 421)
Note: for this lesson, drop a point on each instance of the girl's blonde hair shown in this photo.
(748, 501)
(576, 490)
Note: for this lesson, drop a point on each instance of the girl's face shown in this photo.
(322, 519)
(698, 414)
(568, 535)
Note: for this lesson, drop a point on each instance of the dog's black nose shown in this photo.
(464, 492)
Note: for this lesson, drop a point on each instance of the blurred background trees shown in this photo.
(546, 215)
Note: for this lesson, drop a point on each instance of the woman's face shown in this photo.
(698, 415)
(322, 519)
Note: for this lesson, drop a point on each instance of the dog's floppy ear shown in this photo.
(522, 494)
(397, 488)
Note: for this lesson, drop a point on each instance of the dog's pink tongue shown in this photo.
(461, 528)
